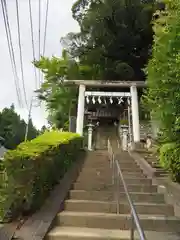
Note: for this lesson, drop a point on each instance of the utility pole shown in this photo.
(29, 117)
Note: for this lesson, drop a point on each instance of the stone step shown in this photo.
(108, 177)
(107, 170)
(106, 159)
(100, 180)
(97, 161)
(109, 196)
(101, 186)
(105, 165)
(123, 156)
(111, 207)
(117, 221)
(90, 211)
(98, 153)
(103, 175)
(75, 233)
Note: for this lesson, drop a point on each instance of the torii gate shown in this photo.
(132, 94)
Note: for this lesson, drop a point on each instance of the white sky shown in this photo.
(60, 22)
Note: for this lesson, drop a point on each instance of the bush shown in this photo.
(163, 71)
(33, 169)
(170, 159)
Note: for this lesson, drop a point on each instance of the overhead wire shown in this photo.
(45, 29)
(39, 53)
(45, 32)
(39, 38)
(11, 50)
(20, 52)
(32, 40)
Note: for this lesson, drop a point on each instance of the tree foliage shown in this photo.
(43, 129)
(12, 128)
(163, 94)
(60, 99)
(115, 37)
(170, 159)
(114, 43)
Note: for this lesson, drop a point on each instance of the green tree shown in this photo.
(60, 100)
(114, 43)
(12, 128)
(32, 131)
(43, 129)
(163, 93)
(115, 37)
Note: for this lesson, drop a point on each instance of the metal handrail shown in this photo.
(134, 215)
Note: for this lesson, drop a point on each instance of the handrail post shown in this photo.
(110, 153)
(117, 191)
(113, 170)
(132, 227)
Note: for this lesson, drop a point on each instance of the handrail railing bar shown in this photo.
(134, 214)
(133, 209)
(113, 171)
(132, 228)
(117, 192)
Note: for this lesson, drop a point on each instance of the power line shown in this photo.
(20, 52)
(11, 50)
(45, 30)
(10, 53)
(33, 49)
(32, 39)
(39, 38)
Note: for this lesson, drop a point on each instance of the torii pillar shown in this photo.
(135, 114)
(80, 110)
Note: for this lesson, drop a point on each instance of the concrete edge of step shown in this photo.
(108, 192)
(101, 215)
(79, 201)
(92, 233)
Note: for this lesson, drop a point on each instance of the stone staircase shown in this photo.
(90, 209)
(145, 129)
(102, 135)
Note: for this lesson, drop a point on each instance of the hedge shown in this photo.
(170, 159)
(30, 171)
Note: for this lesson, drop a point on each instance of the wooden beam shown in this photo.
(102, 83)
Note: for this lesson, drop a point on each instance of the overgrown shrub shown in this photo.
(33, 169)
(162, 96)
(170, 159)
(163, 71)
